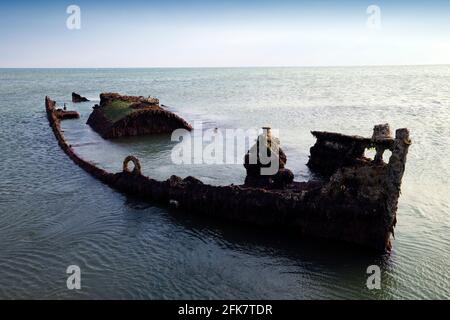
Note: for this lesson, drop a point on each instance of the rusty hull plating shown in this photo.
(148, 118)
(354, 202)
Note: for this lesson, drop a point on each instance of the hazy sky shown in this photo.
(224, 33)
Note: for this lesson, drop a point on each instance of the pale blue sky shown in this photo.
(223, 33)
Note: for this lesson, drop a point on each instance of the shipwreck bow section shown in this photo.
(124, 116)
(355, 201)
(361, 192)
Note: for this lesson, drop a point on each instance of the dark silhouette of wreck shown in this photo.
(355, 201)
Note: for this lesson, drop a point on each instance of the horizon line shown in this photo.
(240, 67)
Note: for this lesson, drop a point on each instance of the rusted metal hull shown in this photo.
(356, 204)
(149, 118)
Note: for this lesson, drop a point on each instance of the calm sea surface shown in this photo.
(53, 214)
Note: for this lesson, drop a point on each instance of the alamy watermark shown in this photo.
(219, 147)
(374, 278)
(74, 279)
(374, 19)
(73, 21)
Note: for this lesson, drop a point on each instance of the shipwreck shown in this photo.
(76, 98)
(354, 201)
(124, 116)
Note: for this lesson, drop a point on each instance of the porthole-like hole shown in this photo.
(136, 167)
(370, 153)
(387, 155)
(130, 166)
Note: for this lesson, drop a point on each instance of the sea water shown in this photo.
(54, 215)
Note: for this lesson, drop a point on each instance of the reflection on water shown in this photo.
(52, 214)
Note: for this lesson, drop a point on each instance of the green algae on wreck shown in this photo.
(117, 110)
(124, 116)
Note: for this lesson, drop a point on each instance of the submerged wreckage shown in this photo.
(125, 116)
(355, 201)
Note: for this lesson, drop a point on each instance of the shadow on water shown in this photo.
(315, 255)
(309, 267)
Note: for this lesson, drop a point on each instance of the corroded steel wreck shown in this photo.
(355, 201)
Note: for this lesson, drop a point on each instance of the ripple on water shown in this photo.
(52, 214)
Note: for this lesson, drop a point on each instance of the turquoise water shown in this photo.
(53, 214)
